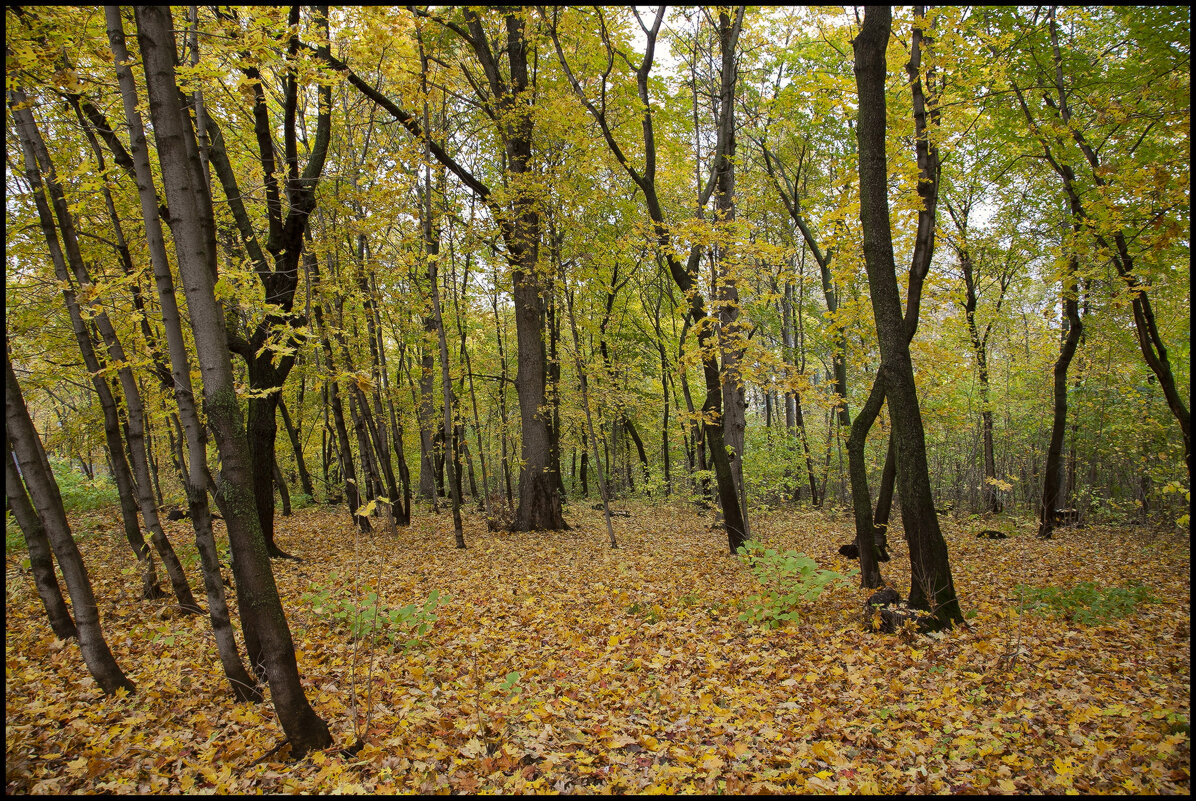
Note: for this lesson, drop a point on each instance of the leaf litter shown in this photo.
(556, 664)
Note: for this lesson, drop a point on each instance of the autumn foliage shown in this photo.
(558, 664)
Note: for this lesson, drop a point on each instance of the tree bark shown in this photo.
(40, 558)
(932, 586)
(126, 488)
(279, 271)
(267, 636)
(135, 410)
(297, 447)
(27, 446)
(196, 473)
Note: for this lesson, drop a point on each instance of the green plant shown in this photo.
(789, 580)
(80, 493)
(404, 626)
(650, 613)
(14, 538)
(510, 685)
(1086, 602)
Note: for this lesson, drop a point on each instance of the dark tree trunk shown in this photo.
(1073, 328)
(297, 447)
(27, 446)
(283, 493)
(40, 558)
(884, 496)
(932, 586)
(731, 330)
(278, 271)
(861, 500)
(539, 499)
(264, 625)
(196, 473)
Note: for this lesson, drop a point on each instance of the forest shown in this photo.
(604, 399)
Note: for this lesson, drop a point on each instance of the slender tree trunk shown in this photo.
(427, 403)
(348, 469)
(283, 492)
(502, 401)
(196, 474)
(40, 558)
(1073, 329)
(446, 391)
(861, 499)
(297, 447)
(27, 132)
(585, 400)
(26, 445)
(135, 411)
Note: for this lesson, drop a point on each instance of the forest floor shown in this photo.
(558, 664)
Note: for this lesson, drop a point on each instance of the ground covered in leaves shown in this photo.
(558, 664)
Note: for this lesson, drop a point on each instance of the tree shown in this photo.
(197, 479)
(263, 622)
(932, 587)
(684, 275)
(268, 349)
(24, 443)
(40, 557)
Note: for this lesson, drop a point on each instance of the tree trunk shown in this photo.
(283, 492)
(731, 334)
(301, 465)
(27, 446)
(264, 623)
(932, 586)
(539, 506)
(1073, 328)
(26, 129)
(348, 469)
(40, 559)
(196, 473)
(861, 500)
(427, 402)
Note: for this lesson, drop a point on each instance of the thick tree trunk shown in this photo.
(539, 499)
(731, 334)
(196, 473)
(932, 586)
(264, 623)
(43, 490)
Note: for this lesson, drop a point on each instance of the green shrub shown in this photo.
(79, 493)
(14, 538)
(1086, 602)
(790, 579)
(404, 626)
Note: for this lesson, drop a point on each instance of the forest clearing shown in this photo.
(633, 671)
(704, 399)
